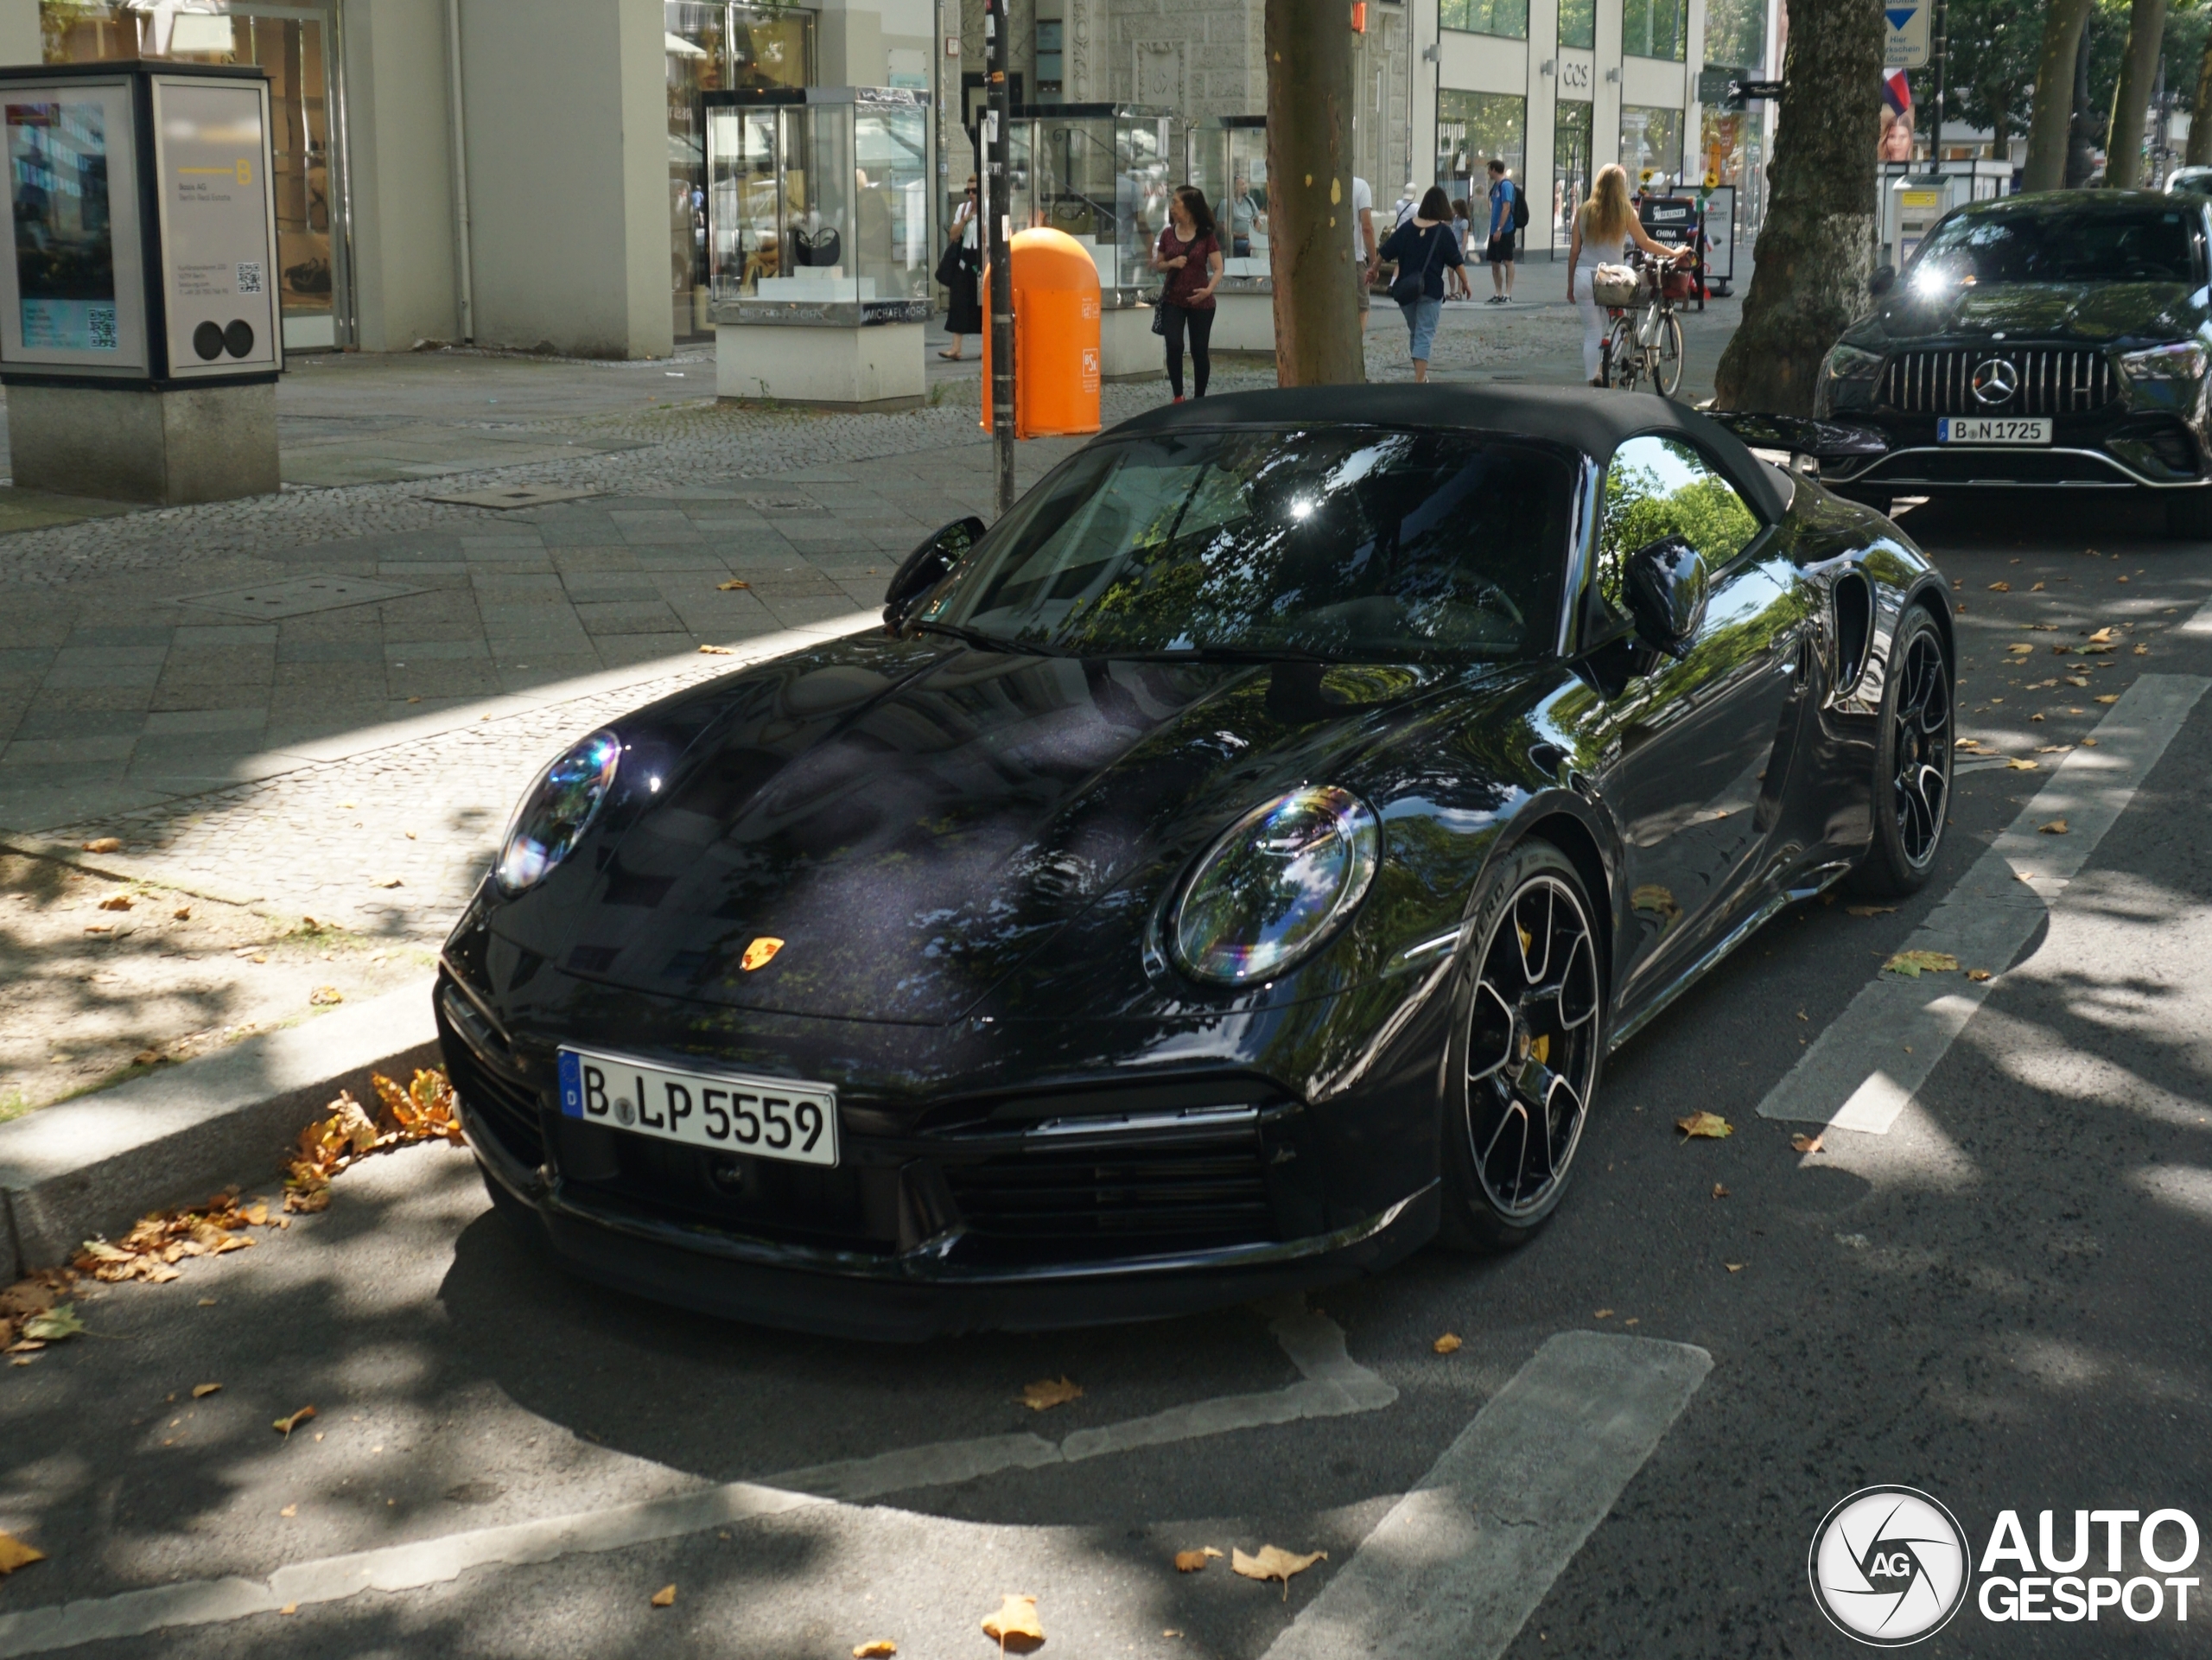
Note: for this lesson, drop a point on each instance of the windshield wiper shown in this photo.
(983, 642)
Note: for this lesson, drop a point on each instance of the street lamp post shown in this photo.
(999, 197)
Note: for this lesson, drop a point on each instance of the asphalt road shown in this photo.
(1999, 1301)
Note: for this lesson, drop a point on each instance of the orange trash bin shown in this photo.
(1056, 336)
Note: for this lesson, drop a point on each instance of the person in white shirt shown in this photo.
(1408, 199)
(1363, 241)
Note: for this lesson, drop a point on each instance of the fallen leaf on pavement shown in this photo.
(2019, 765)
(423, 1111)
(182, 913)
(116, 902)
(1603, 1313)
(1710, 1125)
(1275, 1563)
(388, 882)
(1050, 1392)
(146, 1058)
(1015, 1625)
(15, 1553)
(2020, 647)
(1870, 910)
(55, 1325)
(1448, 1344)
(2102, 637)
(1720, 1191)
(1977, 974)
(290, 1608)
(323, 996)
(1913, 964)
(104, 844)
(665, 1597)
(285, 1426)
(2105, 697)
(1804, 1143)
(1191, 1562)
(881, 1648)
(2056, 827)
(2000, 587)
(201, 1391)
(716, 651)
(2038, 588)
(1737, 1268)
(2142, 651)
(288, 1512)
(732, 587)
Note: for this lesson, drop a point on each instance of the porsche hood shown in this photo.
(913, 821)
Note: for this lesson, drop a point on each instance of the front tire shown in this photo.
(1912, 761)
(1525, 1053)
(1668, 374)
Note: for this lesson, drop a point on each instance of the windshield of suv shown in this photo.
(2151, 245)
(1348, 544)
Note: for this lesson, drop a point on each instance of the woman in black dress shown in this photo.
(960, 272)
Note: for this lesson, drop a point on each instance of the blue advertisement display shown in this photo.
(63, 240)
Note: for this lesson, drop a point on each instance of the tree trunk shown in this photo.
(2081, 137)
(1309, 194)
(2052, 118)
(1814, 251)
(2199, 150)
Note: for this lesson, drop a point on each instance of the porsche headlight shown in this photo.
(555, 812)
(1276, 886)
(1849, 363)
(2183, 361)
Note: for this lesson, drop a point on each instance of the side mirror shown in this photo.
(1884, 279)
(926, 566)
(1667, 592)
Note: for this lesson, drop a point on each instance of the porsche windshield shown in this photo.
(2149, 245)
(1343, 543)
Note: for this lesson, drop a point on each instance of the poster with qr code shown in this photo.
(249, 278)
(68, 269)
(212, 156)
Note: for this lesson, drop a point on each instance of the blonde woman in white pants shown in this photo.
(1605, 227)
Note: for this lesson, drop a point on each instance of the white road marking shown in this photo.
(1462, 1560)
(1994, 911)
(1331, 1384)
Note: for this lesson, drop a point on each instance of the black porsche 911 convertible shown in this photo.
(1225, 873)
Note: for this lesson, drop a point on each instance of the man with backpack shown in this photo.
(1509, 217)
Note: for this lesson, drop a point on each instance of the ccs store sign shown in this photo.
(1890, 1566)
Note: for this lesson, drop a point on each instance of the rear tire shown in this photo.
(1911, 786)
(1525, 1052)
(2189, 515)
(1623, 357)
(1669, 375)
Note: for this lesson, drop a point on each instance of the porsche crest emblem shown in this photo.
(760, 953)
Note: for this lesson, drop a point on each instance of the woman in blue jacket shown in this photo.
(1424, 248)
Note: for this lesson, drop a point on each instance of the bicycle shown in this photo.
(1644, 341)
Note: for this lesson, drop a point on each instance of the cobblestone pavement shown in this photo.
(216, 687)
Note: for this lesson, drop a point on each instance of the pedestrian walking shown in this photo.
(1425, 248)
(1190, 255)
(1508, 212)
(1604, 227)
(961, 271)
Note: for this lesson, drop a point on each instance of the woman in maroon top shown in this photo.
(1192, 258)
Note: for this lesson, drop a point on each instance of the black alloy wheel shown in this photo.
(1526, 1057)
(1912, 764)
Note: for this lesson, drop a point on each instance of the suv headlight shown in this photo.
(1849, 363)
(2181, 361)
(555, 811)
(1276, 886)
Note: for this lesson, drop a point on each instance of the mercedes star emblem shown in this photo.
(1995, 381)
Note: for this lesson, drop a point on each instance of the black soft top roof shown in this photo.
(1586, 418)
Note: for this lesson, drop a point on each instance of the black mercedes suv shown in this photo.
(2057, 342)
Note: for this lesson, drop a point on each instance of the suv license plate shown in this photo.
(1990, 430)
(728, 1112)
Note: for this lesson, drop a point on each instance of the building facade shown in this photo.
(531, 174)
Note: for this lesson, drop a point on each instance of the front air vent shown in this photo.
(1854, 627)
(2046, 380)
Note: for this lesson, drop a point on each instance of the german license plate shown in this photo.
(728, 1112)
(1992, 430)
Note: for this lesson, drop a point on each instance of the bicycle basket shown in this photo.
(1678, 284)
(1613, 285)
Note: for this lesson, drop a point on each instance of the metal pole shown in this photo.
(1943, 21)
(998, 135)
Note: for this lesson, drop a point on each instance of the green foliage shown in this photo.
(1993, 46)
(1735, 32)
(1641, 507)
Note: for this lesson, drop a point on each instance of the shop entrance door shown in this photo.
(298, 47)
(1570, 170)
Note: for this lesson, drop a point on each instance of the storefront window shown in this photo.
(1472, 128)
(1571, 167)
(1232, 172)
(1651, 145)
(1578, 23)
(770, 45)
(1507, 17)
(291, 43)
(1655, 29)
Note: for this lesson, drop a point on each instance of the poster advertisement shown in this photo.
(210, 148)
(64, 237)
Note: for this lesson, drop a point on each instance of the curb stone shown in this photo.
(94, 1166)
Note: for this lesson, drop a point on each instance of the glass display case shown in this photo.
(817, 205)
(1101, 173)
(1229, 161)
